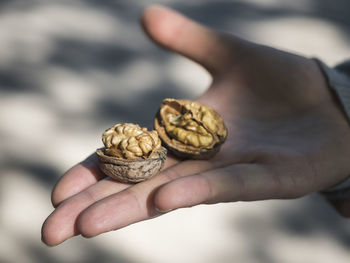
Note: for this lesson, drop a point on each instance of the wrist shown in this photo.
(339, 191)
(339, 82)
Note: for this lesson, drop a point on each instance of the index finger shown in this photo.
(76, 179)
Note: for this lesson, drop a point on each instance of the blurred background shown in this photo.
(71, 69)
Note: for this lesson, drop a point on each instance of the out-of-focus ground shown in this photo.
(71, 69)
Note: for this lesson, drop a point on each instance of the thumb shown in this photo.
(211, 49)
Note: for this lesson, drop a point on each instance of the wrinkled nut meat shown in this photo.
(132, 154)
(190, 129)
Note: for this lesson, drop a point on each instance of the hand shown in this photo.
(287, 137)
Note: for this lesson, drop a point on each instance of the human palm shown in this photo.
(287, 137)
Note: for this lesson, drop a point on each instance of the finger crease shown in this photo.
(171, 174)
(210, 190)
(136, 199)
(90, 196)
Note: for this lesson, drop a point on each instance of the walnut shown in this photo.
(131, 153)
(190, 129)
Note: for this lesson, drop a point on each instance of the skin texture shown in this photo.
(287, 137)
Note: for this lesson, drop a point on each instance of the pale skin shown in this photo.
(287, 137)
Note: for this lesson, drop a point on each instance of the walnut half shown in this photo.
(132, 154)
(190, 129)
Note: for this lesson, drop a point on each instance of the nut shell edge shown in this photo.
(131, 170)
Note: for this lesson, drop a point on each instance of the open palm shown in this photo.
(287, 137)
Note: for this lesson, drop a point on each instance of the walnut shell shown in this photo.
(190, 129)
(132, 154)
(131, 170)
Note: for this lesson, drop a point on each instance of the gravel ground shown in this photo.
(71, 69)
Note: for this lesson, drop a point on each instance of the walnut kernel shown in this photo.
(131, 153)
(190, 129)
(130, 141)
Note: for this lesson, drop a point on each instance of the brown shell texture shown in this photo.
(190, 129)
(132, 154)
(131, 170)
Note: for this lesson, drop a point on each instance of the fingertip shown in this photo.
(176, 32)
(183, 192)
(50, 235)
(154, 10)
(165, 199)
(85, 227)
(160, 24)
(75, 180)
(57, 196)
(95, 220)
(45, 235)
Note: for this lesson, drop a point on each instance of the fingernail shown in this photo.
(163, 211)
